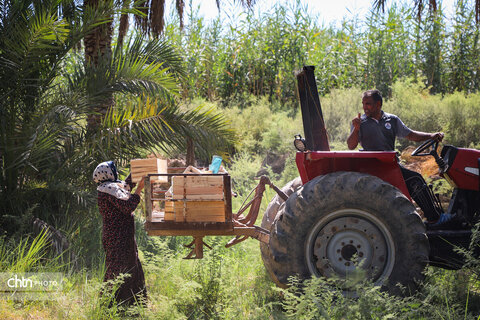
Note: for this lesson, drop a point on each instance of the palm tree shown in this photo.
(420, 4)
(140, 74)
(33, 42)
(151, 20)
(46, 152)
(149, 17)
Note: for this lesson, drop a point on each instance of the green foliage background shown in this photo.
(258, 53)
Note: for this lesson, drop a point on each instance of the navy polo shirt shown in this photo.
(380, 135)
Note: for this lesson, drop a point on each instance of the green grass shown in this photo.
(233, 284)
(226, 284)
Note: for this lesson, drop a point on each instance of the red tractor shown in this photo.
(352, 210)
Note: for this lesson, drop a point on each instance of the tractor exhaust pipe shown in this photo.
(313, 125)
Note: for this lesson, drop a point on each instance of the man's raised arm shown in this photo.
(352, 140)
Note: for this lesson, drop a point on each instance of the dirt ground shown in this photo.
(425, 165)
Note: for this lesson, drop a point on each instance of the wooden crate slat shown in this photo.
(198, 187)
(143, 167)
(198, 191)
(195, 211)
(205, 204)
(197, 180)
(199, 197)
(197, 205)
(206, 219)
(205, 200)
(169, 216)
(141, 162)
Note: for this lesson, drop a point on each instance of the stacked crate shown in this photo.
(142, 167)
(197, 198)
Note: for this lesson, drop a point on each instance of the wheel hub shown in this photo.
(349, 240)
(348, 252)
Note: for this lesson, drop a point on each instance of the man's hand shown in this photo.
(356, 122)
(352, 140)
(437, 136)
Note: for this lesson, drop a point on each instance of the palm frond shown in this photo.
(29, 48)
(161, 50)
(135, 68)
(379, 5)
(153, 127)
(477, 11)
(42, 140)
(34, 39)
(418, 5)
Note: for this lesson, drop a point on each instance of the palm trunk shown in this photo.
(98, 43)
(190, 159)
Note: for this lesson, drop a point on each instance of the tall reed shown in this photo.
(258, 53)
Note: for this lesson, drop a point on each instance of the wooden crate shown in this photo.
(208, 188)
(143, 167)
(195, 211)
(170, 212)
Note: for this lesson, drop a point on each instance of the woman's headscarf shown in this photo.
(106, 175)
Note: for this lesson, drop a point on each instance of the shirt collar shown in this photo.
(382, 117)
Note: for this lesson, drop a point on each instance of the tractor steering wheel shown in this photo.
(424, 146)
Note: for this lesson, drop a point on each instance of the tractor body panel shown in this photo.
(382, 164)
(463, 167)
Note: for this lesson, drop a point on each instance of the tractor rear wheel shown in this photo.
(268, 219)
(345, 221)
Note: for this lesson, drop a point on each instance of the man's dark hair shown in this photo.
(375, 94)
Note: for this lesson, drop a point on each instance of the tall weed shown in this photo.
(421, 111)
(319, 298)
(27, 254)
(244, 169)
(323, 299)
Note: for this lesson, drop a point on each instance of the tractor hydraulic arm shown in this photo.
(245, 225)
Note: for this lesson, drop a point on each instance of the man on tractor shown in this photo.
(376, 131)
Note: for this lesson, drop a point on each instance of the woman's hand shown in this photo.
(140, 186)
(129, 181)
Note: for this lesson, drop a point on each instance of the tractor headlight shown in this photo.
(299, 143)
